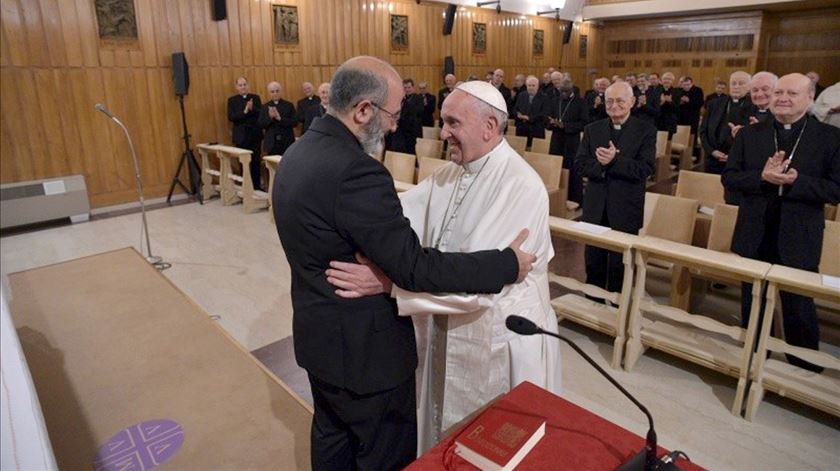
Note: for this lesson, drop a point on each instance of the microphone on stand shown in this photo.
(156, 262)
(646, 458)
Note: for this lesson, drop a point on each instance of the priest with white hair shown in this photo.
(480, 200)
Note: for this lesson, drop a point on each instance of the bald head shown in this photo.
(498, 77)
(275, 91)
(308, 89)
(792, 96)
(620, 100)
(324, 93)
(761, 88)
(364, 78)
(739, 84)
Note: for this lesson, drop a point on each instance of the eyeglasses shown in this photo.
(394, 116)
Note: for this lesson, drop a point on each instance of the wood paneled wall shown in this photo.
(710, 47)
(54, 69)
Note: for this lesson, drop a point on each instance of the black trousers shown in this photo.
(352, 431)
(604, 268)
(799, 313)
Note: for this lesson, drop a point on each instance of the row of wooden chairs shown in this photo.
(232, 186)
(638, 322)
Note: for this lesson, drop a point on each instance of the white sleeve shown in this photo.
(410, 303)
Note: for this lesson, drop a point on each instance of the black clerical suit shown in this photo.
(303, 106)
(330, 201)
(615, 194)
(688, 113)
(667, 110)
(279, 133)
(247, 133)
(428, 110)
(786, 229)
(409, 126)
(505, 91)
(597, 111)
(573, 113)
(649, 111)
(312, 113)
(536, 109)
(715, 133)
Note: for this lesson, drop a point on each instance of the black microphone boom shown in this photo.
(646, 457)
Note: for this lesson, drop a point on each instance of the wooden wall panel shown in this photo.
(804, 41)
(54, 69)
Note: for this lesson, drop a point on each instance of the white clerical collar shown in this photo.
(762, 111)
(245, 96)
(478, 164)
(735, 100)
(787, 125)
(276, 102)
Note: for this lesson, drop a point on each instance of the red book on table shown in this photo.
(575, 438)
(499, 438)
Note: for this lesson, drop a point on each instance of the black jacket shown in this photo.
(667, 109)
(617, 188)
(303, 107)
(245, 127)
(715, 133)
(649, 112)
(801, 213)
(429, 101)
(536, 110)
(575, 113)
(688, 113)
(331, 200)
(279, 134)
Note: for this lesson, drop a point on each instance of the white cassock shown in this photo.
(482, 205)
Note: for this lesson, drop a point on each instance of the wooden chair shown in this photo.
(210, 178)
(663, 157)
(722, 228)
(611, 320)
(672, 218)
(681, 147)
(429, 148)
(821, 391)
(428, 166)
(540, 146)
(548, 136)
(550, 169)
(832, 212)
(690, 336)
(400, 165)
(431, 133)
(708, 190)
(519, 143)
(511, 127)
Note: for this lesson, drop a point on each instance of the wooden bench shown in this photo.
(611, 320)
(550, 169)
(210, 177)
(696, 338)
(271, 162)
(236, 188)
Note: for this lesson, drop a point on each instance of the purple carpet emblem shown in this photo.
(141, 447)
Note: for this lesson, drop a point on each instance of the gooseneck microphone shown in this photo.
(646, 459)
(156, 262)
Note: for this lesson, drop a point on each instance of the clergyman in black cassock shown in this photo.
(243, 111)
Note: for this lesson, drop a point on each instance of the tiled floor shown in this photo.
(232, 265)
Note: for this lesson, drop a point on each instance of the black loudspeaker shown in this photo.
(219, 10)
(448, 65)
(567, 32)
(180, 73)
(449, 21)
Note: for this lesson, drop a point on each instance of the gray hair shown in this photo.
(773, 77)
(485, 111)
(350, 85)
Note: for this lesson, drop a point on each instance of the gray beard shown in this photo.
(373, 137)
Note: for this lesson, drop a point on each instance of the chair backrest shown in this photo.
(832, 212)
(518, 143)
(428, 166)
(431, 132)
(830, 258)
(722, 228)
(429, 148)
(703, 187)
(540, 146)
(548, 135)
(669, 217)
(511, 125)
(661, 142)
(549, 168)
(400, 165)
(682, 136)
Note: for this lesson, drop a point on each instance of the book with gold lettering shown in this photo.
(499, 438)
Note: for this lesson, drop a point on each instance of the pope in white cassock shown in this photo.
(479, 201)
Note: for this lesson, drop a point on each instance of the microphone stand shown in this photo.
(646, 458)
(155, 261)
